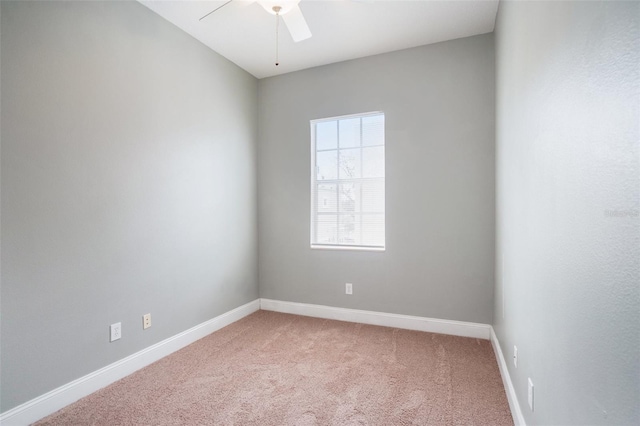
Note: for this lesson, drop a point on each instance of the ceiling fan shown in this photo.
(287, 9)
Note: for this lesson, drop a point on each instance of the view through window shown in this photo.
(348, 182)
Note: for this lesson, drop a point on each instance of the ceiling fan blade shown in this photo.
(296, 24)
(236, 3)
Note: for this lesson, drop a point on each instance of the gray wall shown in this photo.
(568, 207)
(439, 106)
(128, 186)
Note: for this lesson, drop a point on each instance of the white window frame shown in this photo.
(314, 181)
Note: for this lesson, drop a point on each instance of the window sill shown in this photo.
(349, 248)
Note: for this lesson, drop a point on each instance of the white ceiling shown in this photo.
(342, 29)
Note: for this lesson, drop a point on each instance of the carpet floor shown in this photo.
(278, 369)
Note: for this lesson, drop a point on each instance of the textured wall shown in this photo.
(438, 102)
(128, 186)
(568, 207)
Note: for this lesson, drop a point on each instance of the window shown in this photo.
(347, 182)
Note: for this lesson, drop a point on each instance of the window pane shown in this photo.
(327, 229)
(348, 181)
(373, 230)
(327, 165)
(326, 135)
(373, 130)
(350, 164)
(373, 162)
(349, 133)
(349, 197)
(327, 198)
(373, 196)
(349, 229)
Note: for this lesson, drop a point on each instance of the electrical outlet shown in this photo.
(116, 331)
(146, 321)
(530, 394)
(348, 288)
(515, 356)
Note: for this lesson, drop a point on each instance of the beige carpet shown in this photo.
(278, 369)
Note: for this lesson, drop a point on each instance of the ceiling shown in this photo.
(243, 32)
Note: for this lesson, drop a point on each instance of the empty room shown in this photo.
(346, 212)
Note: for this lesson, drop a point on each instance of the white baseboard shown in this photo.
(56, 399)
(432, 325)
(516, 413)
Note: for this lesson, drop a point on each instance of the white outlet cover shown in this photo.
(530, 393)
(146, 321)
(116, 331)
(348, 288)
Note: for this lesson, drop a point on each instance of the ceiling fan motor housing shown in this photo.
(284, 6)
